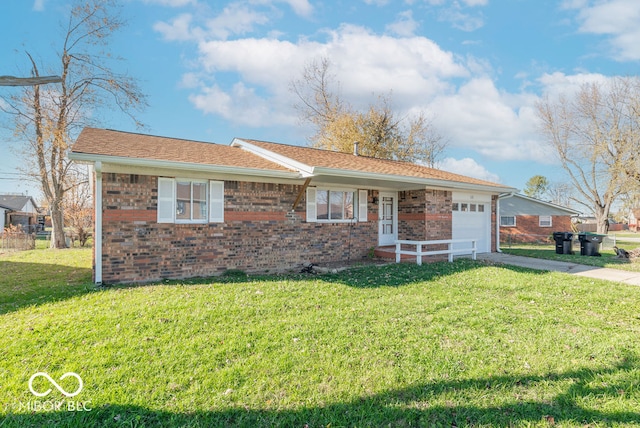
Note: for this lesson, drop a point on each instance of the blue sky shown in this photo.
(216, 70)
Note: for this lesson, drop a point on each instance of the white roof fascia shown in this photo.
(539, 201)
(305, 170)
(427, 182)
(153, 163)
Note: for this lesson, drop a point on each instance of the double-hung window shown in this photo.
(336, 205)
(508, 221)
(545, 221)
(190, 201)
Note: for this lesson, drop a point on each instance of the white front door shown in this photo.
(388, 218)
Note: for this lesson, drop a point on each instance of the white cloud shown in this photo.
(235, 19)
(179, 29)
(455, 2)
(359, 61)
(171, 3)
(461, 20)
(246, 81)
(556, 84)
(300, 7)
(468, 167)
(242, 106)
(38, 5)
(404, 25)
(497, 124)
(462, 15)
(617, 19)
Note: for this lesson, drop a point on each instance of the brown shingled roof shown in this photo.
(108, 142)
(347, 161)
(119, 144)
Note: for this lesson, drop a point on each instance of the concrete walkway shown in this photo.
(632, 278)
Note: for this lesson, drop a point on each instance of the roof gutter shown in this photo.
(430, 182)
(186, 166)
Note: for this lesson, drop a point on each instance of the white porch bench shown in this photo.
(420, 252)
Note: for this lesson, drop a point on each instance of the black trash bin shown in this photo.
(589, 244)
(564, 243)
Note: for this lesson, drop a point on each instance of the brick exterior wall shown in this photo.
(424, 215)
(260, 233)
(527, 229)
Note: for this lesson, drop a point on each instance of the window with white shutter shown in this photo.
(216, 201)
(334, 206)
(190, 201)
(362, 205)
(166, 200)
(311, 204)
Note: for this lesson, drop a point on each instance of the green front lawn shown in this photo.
(607, 259)
(461, 344)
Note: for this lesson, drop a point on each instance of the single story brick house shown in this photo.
(172, 208)
(527, 219)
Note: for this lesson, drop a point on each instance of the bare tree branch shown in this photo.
(48, 117)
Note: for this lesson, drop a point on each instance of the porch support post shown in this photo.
(302, 191)
(97, 235)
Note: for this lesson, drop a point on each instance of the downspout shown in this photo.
(97, 238)
(498, 250)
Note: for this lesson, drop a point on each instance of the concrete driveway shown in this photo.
(631, 278)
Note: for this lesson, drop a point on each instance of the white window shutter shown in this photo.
(311, 205)
(216, 201)
(362, 205)
(166, 200)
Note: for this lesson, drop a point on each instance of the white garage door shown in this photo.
(471, 218)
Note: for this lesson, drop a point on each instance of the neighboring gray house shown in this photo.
(526, 219)
(18, 210)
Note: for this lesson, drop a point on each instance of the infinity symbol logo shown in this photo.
(53, 382)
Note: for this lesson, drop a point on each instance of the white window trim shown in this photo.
(214, 200)
(545, 217)
(358, 195)
(508, 225)
(166, 201)
(206, 202)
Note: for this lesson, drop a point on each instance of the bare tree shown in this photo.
(77, 204)
(378, 130)
(560, 193)
(595, 135)
(49, 117)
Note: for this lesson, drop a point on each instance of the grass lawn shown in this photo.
(548, 251)
(461, 344)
